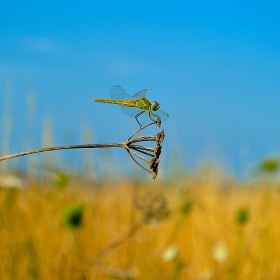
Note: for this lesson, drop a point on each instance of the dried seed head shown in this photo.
(152, 207)
(157, 151)
(154, 175)
(148, 155)
(158, 121)
(160, 137)
(154, 164)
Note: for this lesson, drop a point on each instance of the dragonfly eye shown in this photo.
(155, 106)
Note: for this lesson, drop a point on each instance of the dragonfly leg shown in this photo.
(138, 116)
(150, 115)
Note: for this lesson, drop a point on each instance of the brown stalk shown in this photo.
(152, 159)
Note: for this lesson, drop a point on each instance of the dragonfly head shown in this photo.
(155, 106)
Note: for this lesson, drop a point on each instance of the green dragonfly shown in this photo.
(135, 105)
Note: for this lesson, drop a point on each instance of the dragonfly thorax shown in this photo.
(155, 106)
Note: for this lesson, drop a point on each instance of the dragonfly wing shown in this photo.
(140, 94)
(161, 114)
(118, 93)
(131, 111)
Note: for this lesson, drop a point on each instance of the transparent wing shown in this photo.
(118, 93)
(161, 114)
(131, 111)
(140, 94)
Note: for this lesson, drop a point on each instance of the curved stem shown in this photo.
(143, 158)
(141, 128)
(144, 168)
(142, 151)
(84, 146)
(143, 138)
(129, 145)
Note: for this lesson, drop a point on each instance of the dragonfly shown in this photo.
(135, 105)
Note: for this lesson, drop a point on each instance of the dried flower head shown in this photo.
(152, 207)
(151, 157)
(158, 121)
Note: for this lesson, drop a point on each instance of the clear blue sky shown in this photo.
(213, 66)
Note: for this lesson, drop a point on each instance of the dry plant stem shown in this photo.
(115, 244)
(85, 146)
(140, 149)
(143, 138)
(141, 128)
(143, 158)
(153, 161)
(42, 150)
(139, 163)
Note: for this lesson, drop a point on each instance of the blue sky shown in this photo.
(213, 66)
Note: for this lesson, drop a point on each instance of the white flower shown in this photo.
(11, 181)
(170, 253)
(220, 252)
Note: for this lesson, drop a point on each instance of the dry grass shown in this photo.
(215, 229)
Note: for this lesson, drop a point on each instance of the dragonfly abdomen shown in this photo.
(130, 103)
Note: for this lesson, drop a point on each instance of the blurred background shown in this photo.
(213, 67)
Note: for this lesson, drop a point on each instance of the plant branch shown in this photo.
(128, 145)
(115, 244)
(42, 150)
(139, 164)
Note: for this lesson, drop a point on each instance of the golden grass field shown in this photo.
(201, 227)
